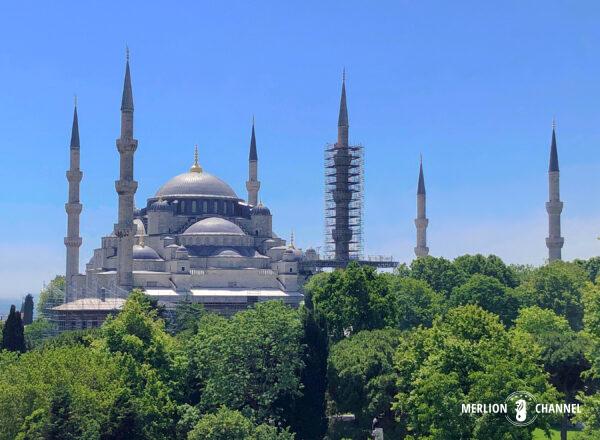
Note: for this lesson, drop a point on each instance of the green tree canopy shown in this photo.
(361, 377)
(350, 300)
(488, 293)
(441, 274)
(227, 424)
(557, 286)
(591, 266)
(410, 303)
(251, 362)
(466, 357)
(491, 266)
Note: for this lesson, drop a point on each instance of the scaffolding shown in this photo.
(344, 192)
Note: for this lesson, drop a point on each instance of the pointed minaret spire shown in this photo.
(554, 206)
(253, 184)
(421, 222)
(343, 115)
(126, 187)
(73, 208)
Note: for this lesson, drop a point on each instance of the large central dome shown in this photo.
(196, 183)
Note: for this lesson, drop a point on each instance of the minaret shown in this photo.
(253, 184)
(554, 206)
(342, 194)
(126, 187)
(73, 208)
(421, 222)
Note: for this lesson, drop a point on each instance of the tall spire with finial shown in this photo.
(73, 208)
(554, 206)
(253, 184)
(196, 168)
(343, 115)
(421, 222)
(126, 187)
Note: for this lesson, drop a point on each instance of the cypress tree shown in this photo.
(27, 309)
(308, 419)
(13, 337)
(61, 424)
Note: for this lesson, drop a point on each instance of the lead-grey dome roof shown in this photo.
(144, 253)
(196, 184)
(214, 225)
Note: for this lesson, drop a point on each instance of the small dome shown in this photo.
(214, 225)
(196, 184)
(228, 253)
(261, 209)
(144, 253)
(160, 205)
(291, 254)
(181, 249)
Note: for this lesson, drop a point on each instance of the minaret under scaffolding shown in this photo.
(126, 188)
(253, 184)
(343, 191)
(421, 222)
(554, 206)
(73, 208)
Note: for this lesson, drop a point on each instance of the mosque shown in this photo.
(195, 240)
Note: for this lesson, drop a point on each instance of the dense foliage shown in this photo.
(407, 347)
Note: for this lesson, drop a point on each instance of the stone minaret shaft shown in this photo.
(342, 195)
(421, 222)
(126, 188)
(554, 206)
(73, 208)
(253, 184)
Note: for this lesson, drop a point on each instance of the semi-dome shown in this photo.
(261, 209)
(214, 225)
(144, 253)
(196, 183)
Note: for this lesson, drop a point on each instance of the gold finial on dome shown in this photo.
(196, 168)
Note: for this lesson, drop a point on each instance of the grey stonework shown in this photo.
(421, 222)
(554, 206)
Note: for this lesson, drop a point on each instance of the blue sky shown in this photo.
(472, 85)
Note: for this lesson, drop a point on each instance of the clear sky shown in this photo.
(472, 85)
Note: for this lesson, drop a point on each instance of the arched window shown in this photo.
(205, 206)
(215, 206)
(193, 206)
(182, 206)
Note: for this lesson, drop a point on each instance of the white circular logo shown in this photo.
(520, 407)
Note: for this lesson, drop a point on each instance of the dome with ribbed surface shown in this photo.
(200, 184)
(214, 225)
(261, 209)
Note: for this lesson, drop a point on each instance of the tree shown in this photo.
(362, 380)
(251, 362)
(466, 356)
(37, 332)
(27, 309)
(488, 293)
(52, 295)
(410, 303)
(350, 300)
(491, 266)
(557, 286)
(441, 274)
(13, 338)
(187, 317)
(591, 266)
(62, 424)
(122, 422)
(563, 351)
(227, 424)
(307, 415)
(30, 382)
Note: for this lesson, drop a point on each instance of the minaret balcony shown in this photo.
(127, 145)
(73, 241)
(421, 222)
(554, 207)
(126, 186)
(73, 208)
(555, 242)
(74, 176)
